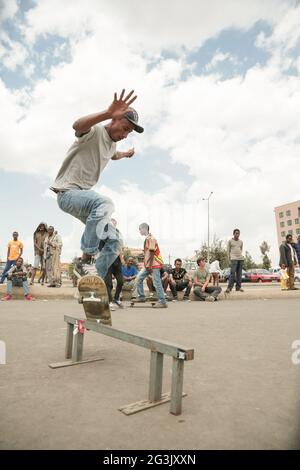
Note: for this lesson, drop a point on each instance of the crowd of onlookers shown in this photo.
(204, 281)
(47, 245)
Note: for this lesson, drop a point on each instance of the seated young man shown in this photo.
(179, 280)
(17, 276)
(129, 272)
(201, 281)
(164, 276)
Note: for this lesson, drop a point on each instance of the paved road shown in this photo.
(243, 390)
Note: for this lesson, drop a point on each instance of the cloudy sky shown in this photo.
(218, 94)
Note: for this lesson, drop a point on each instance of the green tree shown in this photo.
(217, 251)
(248, 263)
(265, 248)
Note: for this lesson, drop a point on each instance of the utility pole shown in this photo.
(207, 199)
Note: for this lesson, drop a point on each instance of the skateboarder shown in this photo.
(80, 171)
(153, 263)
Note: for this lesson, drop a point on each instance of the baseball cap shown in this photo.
(133, 117)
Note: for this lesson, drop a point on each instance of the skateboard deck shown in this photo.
(93, 295)
(135, 303)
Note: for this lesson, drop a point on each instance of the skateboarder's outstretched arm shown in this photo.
(116, 110)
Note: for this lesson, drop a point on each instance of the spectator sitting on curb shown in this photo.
(179, 280)
(201, 281)
(129, 271)
(17, 276)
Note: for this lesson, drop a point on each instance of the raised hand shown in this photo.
(129, 153)
(119, 106)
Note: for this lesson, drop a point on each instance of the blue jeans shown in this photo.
(156, 282)
(9, 287)
(95, 212)
(236, 269)
(9, 264)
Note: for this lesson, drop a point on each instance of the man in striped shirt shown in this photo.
(152, 264)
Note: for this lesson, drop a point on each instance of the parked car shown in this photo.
(261, 275)
(224, 277)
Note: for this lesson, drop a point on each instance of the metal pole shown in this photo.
(208, 230)
(207, 199)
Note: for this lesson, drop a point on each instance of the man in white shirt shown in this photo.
(87, 157)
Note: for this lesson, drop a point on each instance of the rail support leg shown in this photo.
(69, 341)
(156, 374)
(177, 386)
(78, 347)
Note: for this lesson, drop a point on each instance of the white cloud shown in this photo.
(12, 53)
(218, 58)
(8, 9)
(235, 136)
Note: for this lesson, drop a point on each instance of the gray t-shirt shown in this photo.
(201, 274)
(85, 160)
(234, 249)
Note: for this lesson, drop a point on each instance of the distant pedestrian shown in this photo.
(297, 248)
(215, 271)
(38, 247)
(52, 252)
(235, 256)
(288, 259)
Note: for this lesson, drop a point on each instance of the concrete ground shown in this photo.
(243, 389)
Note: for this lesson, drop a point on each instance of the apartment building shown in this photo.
(287, 220)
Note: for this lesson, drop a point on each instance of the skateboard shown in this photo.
(93, 295)
(151, 300)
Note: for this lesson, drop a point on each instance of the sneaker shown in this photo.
(28, 297)
(239, 290)
(186, 298)
(140, 300)
(160, 305)
(86, 268)
(112, 306)
(210, 298)
(7, 297)
(227, 291)
(118, 303)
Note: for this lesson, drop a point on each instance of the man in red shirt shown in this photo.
(152, 264)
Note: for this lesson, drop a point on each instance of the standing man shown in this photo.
(297, 248)
(153, 263)
(288, 259)
(52, 251)
(179, 280)
(14, 251)
(94, 147)
(38, 245)
(235, 256)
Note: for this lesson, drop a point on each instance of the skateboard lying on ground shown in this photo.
(136, 303)
(93, 295)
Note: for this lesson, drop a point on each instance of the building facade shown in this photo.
(287, 220)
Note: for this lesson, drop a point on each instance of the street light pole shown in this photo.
(207, 199)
